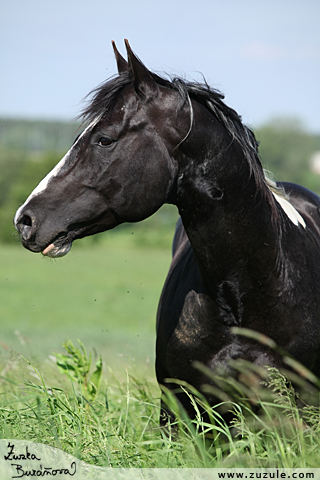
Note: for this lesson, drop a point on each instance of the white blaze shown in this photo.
(45, 181)
(43, 184)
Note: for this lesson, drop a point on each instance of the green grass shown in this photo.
(270, 430)
(107, 295)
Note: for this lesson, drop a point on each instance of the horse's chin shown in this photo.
(56, 251)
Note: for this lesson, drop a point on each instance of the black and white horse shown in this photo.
(246, 251)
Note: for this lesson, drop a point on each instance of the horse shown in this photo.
(246, 249)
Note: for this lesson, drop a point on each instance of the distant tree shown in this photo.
(18, 178)
(286, 149)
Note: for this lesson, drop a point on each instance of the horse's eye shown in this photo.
(105, 142)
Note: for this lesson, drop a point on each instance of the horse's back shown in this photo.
(307, 203)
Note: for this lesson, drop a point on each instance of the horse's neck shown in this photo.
(226, 217)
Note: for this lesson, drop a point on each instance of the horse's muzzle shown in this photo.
(56, 245)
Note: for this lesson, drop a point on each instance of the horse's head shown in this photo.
(120, 169)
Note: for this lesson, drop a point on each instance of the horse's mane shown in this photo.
(102, 98)
(212, 99)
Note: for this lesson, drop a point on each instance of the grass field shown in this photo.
(106, 295)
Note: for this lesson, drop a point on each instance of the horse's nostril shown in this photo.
(26, 220)
(24, 226)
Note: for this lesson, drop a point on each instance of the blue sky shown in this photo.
(263, 54)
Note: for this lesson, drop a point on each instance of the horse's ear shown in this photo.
(143, 82)
(121, 62)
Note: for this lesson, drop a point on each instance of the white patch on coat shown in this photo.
(289, 210)
(283, 200)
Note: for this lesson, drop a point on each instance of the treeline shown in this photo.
(30, 149)
(35, 136)
(289, 152)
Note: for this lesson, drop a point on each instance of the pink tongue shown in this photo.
(48, 249)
